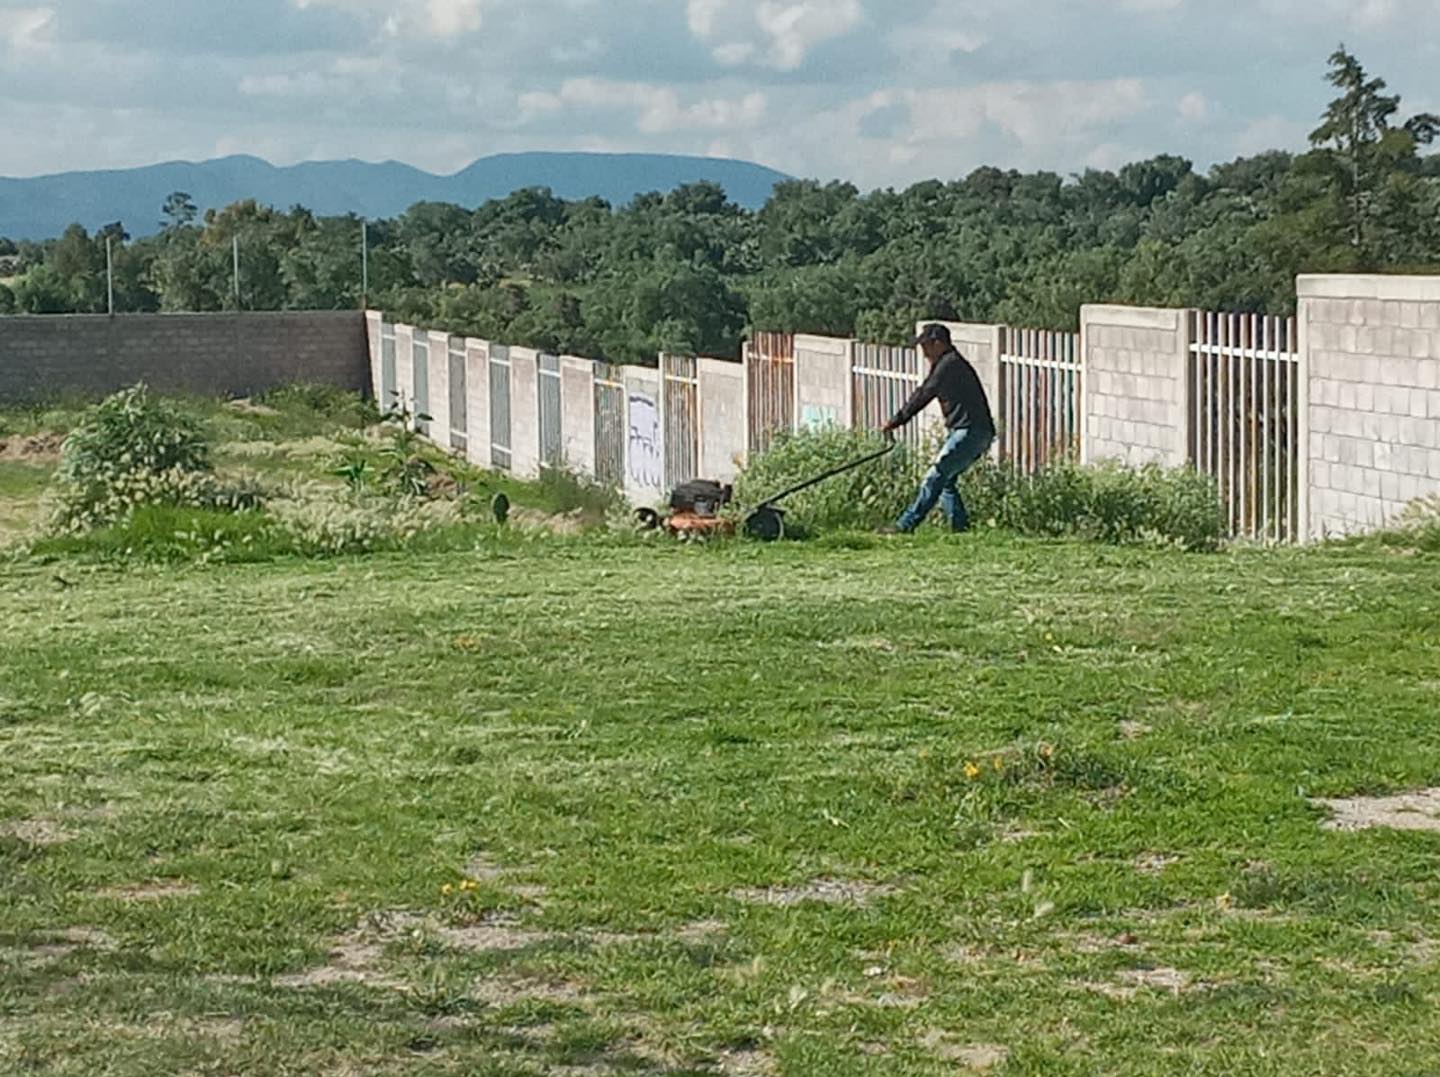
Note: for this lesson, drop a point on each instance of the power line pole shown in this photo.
(364, 264)
(109, 278)
(235, 246)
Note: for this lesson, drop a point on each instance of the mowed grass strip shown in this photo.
(841, 807)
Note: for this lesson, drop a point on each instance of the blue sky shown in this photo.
(880, 92)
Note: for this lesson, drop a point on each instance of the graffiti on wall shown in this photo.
(644, 463)
(815, 417)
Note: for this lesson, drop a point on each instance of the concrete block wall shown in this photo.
(439, 384)
(823, 392)
(44, 356)
(1134, 391)
(723, 440)
(1371, 399)
(477, 402)
(577, 406)
(644, 442)
(525, 412)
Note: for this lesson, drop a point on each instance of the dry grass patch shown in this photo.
(979, 1057)
(164, 890)
(1407, 811)
(38, 832)
(822, 891)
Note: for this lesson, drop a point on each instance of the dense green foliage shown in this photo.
(689, 271)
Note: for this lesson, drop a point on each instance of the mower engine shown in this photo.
(694, 510)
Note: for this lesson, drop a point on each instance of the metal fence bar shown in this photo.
(610, 426)
(680, 377)
(770, 387)
(1243, 383)
(551, 406)
(420, 359)
(500, 407)
(389, 391)
(1039, 406)
(459, 418)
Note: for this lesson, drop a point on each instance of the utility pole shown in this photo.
(235, 247)
(364, 264)
(109, 278)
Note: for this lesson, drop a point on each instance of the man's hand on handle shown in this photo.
(888, 430)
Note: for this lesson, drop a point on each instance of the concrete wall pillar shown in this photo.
(577, 395)
(525, 412)
(823, 394)
(723, 434)
(1134, 362)
(644, 442)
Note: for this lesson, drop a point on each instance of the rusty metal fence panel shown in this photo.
(459, 424)
(611, 430)
(1244, 409)
(882, 379)
(680, 377)
(1039, 398)
(552, 430)
(500, 406)
(769, 388)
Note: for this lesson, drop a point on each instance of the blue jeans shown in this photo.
(962, 448)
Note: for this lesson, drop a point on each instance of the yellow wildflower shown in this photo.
(469, 884)
(447, 890)
(998, 763)
(972, 771)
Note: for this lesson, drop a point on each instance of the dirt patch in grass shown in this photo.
(506, 992)
(358, 955)
(1135, 730)
(747, 1064)
(979, 1057)
(574, 522)
(32, 448)
(1128, 983)
(1154, 863)
(39, 832)
(1408, 811)
(702, 931)
(821, 891)
(164, 890)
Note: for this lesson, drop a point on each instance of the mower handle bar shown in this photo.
(818, 479)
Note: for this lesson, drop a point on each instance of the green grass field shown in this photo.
(848, 806)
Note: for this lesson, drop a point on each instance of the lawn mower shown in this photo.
(695, 506)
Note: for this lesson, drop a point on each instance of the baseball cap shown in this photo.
(932, 332)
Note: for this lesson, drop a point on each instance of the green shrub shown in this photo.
(132, 431)
(1417, 529)
(867, 497)
(1105, 503)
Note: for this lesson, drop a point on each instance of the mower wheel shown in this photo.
(648, 519)
(766, 524)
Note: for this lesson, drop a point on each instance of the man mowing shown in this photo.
(969, 425)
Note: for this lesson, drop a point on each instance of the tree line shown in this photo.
(690, 271)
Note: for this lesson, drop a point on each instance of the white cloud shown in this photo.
(1195, 107)
(774, 33)
(441, 19)
(24, 28)
(1029, 112)
(658, 109)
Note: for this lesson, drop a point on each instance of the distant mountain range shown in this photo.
(44, 206)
